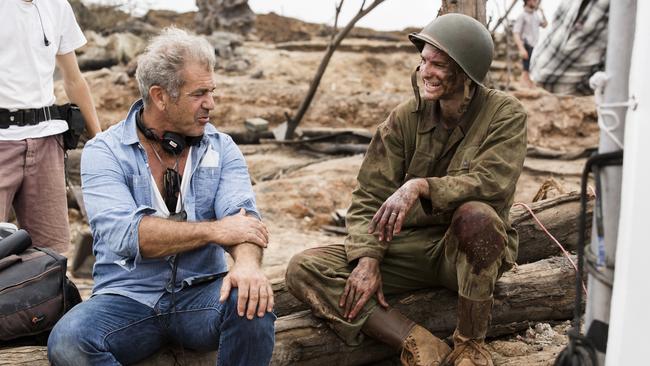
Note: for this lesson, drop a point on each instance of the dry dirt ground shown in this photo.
(297, 191)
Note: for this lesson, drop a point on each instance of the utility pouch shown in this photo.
(76, 125)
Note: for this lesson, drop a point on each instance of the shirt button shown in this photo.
(123, 262)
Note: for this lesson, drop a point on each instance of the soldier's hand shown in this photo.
(241, 228)
(389, 218)
(363, 283)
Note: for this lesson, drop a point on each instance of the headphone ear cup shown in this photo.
(173, 143)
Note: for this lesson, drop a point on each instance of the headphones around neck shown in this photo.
(172, 142)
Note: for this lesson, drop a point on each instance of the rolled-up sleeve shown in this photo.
(235, 189)
(113, 214)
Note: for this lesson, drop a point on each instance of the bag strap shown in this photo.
(8, 261)
(15, 243)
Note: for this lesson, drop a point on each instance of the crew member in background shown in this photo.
(526, 32)
(35, 36)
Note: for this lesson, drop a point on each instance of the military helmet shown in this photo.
(463, 38)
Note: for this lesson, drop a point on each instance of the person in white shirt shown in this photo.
(526, 32)
(36, 36)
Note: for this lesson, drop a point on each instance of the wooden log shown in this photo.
(24, 356)
(541, 291)
(37, 356)
(560, 217)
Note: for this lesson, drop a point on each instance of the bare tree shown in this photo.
(504, 17)
(473, 8)
(335, 41)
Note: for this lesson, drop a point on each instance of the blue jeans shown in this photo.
(113, 329)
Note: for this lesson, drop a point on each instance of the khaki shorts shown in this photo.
(32, 181)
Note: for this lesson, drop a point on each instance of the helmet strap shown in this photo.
(467, 95)
(416, 89)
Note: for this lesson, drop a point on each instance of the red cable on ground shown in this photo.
(552, 237)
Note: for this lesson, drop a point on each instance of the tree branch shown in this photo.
(336, 20)
(504, 17)
(292, 124)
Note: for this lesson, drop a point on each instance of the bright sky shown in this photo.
(389, 15)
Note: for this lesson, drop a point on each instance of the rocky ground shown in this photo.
(267, 74)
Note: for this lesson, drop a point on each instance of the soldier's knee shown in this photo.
(472, 219)
(480, 234)
(297, 271)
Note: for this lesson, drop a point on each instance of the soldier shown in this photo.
(431, 207)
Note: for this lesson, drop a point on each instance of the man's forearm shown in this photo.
(79, 94)
(161, 237)
(246, 253)
(519, 42)
(544, 22)
(78, 91)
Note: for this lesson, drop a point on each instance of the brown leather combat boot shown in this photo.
(469, 337)
(419, 347)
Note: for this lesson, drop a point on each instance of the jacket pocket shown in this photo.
(462, 160)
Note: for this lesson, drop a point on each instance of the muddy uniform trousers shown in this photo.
(468, 258)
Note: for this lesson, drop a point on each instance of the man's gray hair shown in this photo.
(166, 56)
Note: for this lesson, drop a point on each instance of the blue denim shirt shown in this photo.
(117, 191)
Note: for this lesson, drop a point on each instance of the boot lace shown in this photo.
(470, 349)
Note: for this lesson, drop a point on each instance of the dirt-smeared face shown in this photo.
(189, 113)
(441, 76)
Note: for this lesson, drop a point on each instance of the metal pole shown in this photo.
(629, 324)
(619, 53)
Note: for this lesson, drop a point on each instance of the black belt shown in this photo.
(24, 117)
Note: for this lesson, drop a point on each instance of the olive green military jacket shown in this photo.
(487, 153)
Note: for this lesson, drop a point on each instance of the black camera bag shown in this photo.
(34, 289)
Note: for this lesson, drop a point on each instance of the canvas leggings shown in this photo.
(468, 259)
(32, 180)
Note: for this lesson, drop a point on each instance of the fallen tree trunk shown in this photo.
(27, 356)
(541, 291)
(37, 356)
(560, 217)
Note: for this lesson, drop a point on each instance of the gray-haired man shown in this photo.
(166, 195)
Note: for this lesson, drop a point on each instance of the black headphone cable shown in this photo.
(45, 40)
